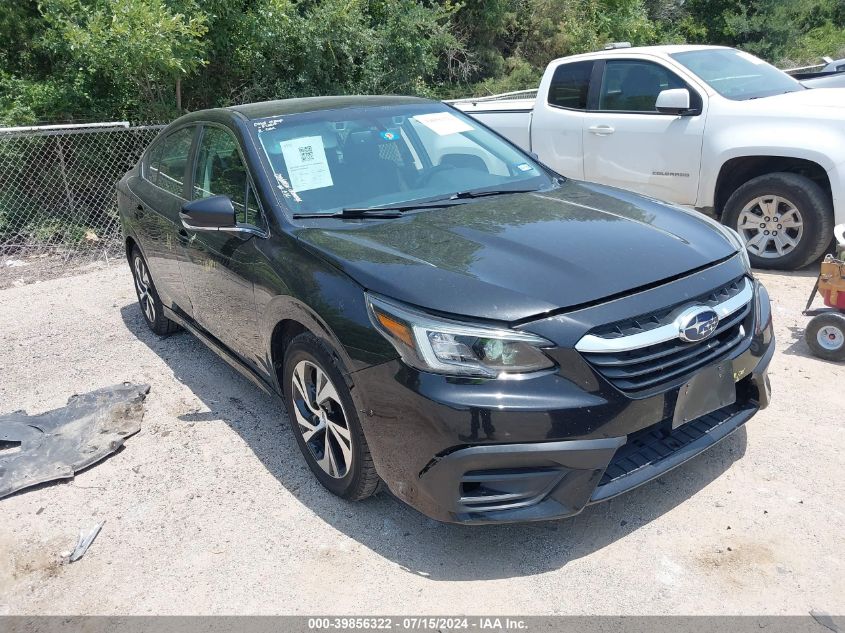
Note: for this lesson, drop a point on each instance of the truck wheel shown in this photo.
(324, 421)
(151, 306)
(786, 220)
(825, 334)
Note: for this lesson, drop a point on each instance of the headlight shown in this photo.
(730, 234)
(450, 347)
(763, 307)
(739, 242)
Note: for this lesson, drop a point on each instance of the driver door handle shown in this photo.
(601, 130)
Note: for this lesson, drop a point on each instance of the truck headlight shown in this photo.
(450, 347)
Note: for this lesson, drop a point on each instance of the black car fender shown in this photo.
(329, 304)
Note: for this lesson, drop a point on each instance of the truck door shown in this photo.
(557, 122)
(629, 144)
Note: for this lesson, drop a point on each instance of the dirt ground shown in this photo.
(210, 509)
(16, 271)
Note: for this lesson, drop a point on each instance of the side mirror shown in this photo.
(209, 214)
(675, 101)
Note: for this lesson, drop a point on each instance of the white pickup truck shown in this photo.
(708, 127)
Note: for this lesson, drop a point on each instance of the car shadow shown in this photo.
(797, 344)
(395, 531)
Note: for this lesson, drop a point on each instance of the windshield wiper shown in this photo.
(377, 212)
(394, 211)
(462, 195)
(351, 213)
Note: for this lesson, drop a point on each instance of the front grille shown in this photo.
(656, 365)
(651, 445)
(652, 320)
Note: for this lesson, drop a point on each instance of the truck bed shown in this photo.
(509, 114)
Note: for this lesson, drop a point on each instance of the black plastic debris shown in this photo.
(55, 445)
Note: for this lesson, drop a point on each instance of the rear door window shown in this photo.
(571, 85)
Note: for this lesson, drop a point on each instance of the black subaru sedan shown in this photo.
(441, 313)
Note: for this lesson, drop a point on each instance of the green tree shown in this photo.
(101, 59)
(781, 31)
(139, 48)
(288, 49)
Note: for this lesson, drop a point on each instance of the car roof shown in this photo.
(280, 107)
(655, 51)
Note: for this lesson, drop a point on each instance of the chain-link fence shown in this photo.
(57, 191)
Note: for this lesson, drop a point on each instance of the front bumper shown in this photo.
(527, 482)
(490, 451)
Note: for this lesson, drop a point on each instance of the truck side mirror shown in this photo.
(675, 101)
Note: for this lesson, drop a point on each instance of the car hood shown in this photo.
(836, 80)
(810, 103)
(515, 256)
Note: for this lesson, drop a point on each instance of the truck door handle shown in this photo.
(601, 130)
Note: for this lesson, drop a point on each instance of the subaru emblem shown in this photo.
(697, 323)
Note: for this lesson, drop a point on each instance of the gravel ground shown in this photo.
(210, 509)
(18, 271)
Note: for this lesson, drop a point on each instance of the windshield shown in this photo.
(328, 160)
(737, 75)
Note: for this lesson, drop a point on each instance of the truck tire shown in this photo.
(786, 220)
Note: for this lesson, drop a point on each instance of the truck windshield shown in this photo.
(328, 160)
(736, 74)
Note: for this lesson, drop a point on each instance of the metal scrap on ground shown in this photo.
(59, 443)
(84, 542)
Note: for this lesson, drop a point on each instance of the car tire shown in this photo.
(328, 431)
(762, 221)
(148, 299)
(825, 334)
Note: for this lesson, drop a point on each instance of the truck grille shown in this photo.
(665, 360)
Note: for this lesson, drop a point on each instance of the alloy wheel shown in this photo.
(144, 287)
(321, 419)
(771, 225)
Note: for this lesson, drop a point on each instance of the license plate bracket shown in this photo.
(709, 390)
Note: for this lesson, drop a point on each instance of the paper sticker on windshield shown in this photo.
(524, 167)
(388, 135)
(306, 162)
(443, 123)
